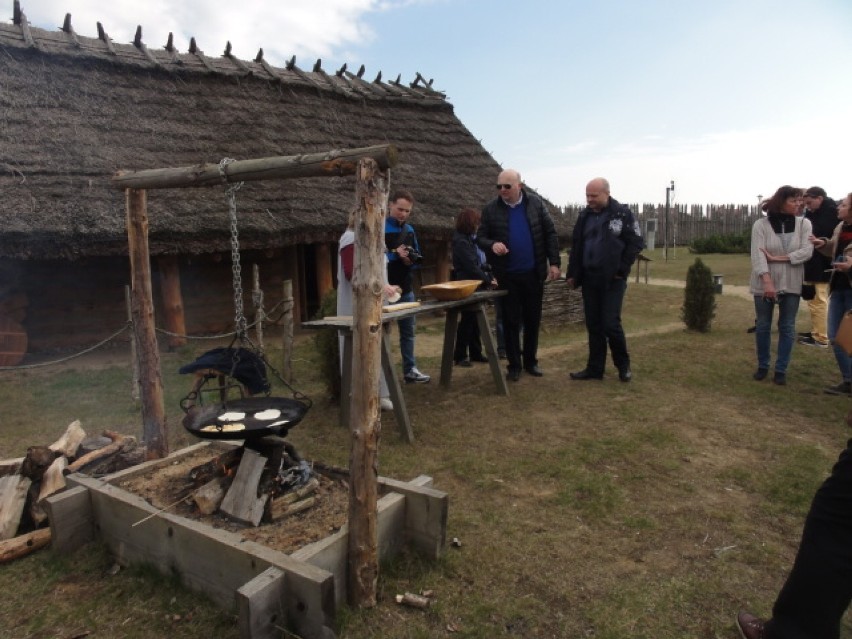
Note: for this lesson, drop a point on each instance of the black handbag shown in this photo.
(808, 292)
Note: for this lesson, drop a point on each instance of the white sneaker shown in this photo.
(386, 403)
(414, 376)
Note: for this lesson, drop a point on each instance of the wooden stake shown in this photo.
(257, 301)
(134, 360)
(172, 300)
(287, 331)
(142, 305)
(365, 425)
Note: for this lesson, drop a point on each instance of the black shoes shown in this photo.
(463, 362)
(843, 388)
(513, 374)
(760, 374)
(533, 370)
(586, 374)
(478, 358)
(625, 375)
(779, 378)
(750, 627)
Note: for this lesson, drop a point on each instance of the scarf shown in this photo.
(782, 223)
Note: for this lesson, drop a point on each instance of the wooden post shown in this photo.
(365, 424)
(325, 281)
(257, 302)
(443, 262)
(172, 300)
(134, 360)
(142, 307)
(287, 331)
(292, 271)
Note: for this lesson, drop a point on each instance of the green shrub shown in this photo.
(699, 298)
(328, 346)
(735, 243)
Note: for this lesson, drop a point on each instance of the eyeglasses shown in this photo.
(504, 186)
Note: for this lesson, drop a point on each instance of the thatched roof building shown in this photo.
(76, 109)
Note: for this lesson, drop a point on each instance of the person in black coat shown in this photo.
(469, 264)
(604, 244)
(519, 239)
(821, 210)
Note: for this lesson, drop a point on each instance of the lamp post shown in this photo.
(669, 190)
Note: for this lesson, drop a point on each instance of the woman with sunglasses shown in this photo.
(780, 246)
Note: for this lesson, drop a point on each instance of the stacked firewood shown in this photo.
(26, 482)
(252, 485)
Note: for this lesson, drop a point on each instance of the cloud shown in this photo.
(730, 166)
(305, 28)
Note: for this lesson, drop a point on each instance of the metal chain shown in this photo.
(236, 269)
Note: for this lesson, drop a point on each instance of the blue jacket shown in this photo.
(621, 244)
(399, 273)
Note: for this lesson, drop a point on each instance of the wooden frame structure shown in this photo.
(371, 166)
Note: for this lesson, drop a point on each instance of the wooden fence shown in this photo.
(686, 222)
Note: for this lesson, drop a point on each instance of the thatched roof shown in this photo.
(76, 109)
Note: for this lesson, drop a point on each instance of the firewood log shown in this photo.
(53, 479)
(118, 442)
(37, 461)
(23, 545)
(209, 496)
(217, 467)
(13, 497)
(70, 440)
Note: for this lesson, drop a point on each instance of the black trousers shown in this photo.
(602, 300)
(522, 307)
(818, 589)
(468, 343)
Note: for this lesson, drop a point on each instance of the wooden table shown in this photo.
(476, 302)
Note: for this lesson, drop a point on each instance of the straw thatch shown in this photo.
(75, 109)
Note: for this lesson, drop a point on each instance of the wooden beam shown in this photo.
(327, 164)
(443, 262)
(174, 319)
(142, 306)
(365, 420)
(325, 281)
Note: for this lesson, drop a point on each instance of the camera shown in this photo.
(413, 254)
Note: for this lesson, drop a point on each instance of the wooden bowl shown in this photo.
(451, 291)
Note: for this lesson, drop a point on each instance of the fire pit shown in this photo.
(299, 590)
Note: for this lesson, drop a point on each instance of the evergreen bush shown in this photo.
(328, 346)
(699, 298)
(734, 243)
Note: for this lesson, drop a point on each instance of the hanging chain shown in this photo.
(236, 271)
(240, 325)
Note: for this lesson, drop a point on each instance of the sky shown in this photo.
(727, 99)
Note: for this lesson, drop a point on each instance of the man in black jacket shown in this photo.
(604, 245)
(821, 210)
(519, 240)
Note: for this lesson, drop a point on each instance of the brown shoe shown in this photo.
(750, 627)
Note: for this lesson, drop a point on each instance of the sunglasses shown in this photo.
(504, 186)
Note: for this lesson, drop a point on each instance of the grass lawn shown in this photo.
(654, 509)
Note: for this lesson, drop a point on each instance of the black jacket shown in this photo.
(466, 262)
(823, 220)
(622, 243)
(494, 227)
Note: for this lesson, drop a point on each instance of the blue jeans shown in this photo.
(839, 302)
(788, 306)
(406, 336)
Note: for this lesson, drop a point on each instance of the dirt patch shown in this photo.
(171, 487)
